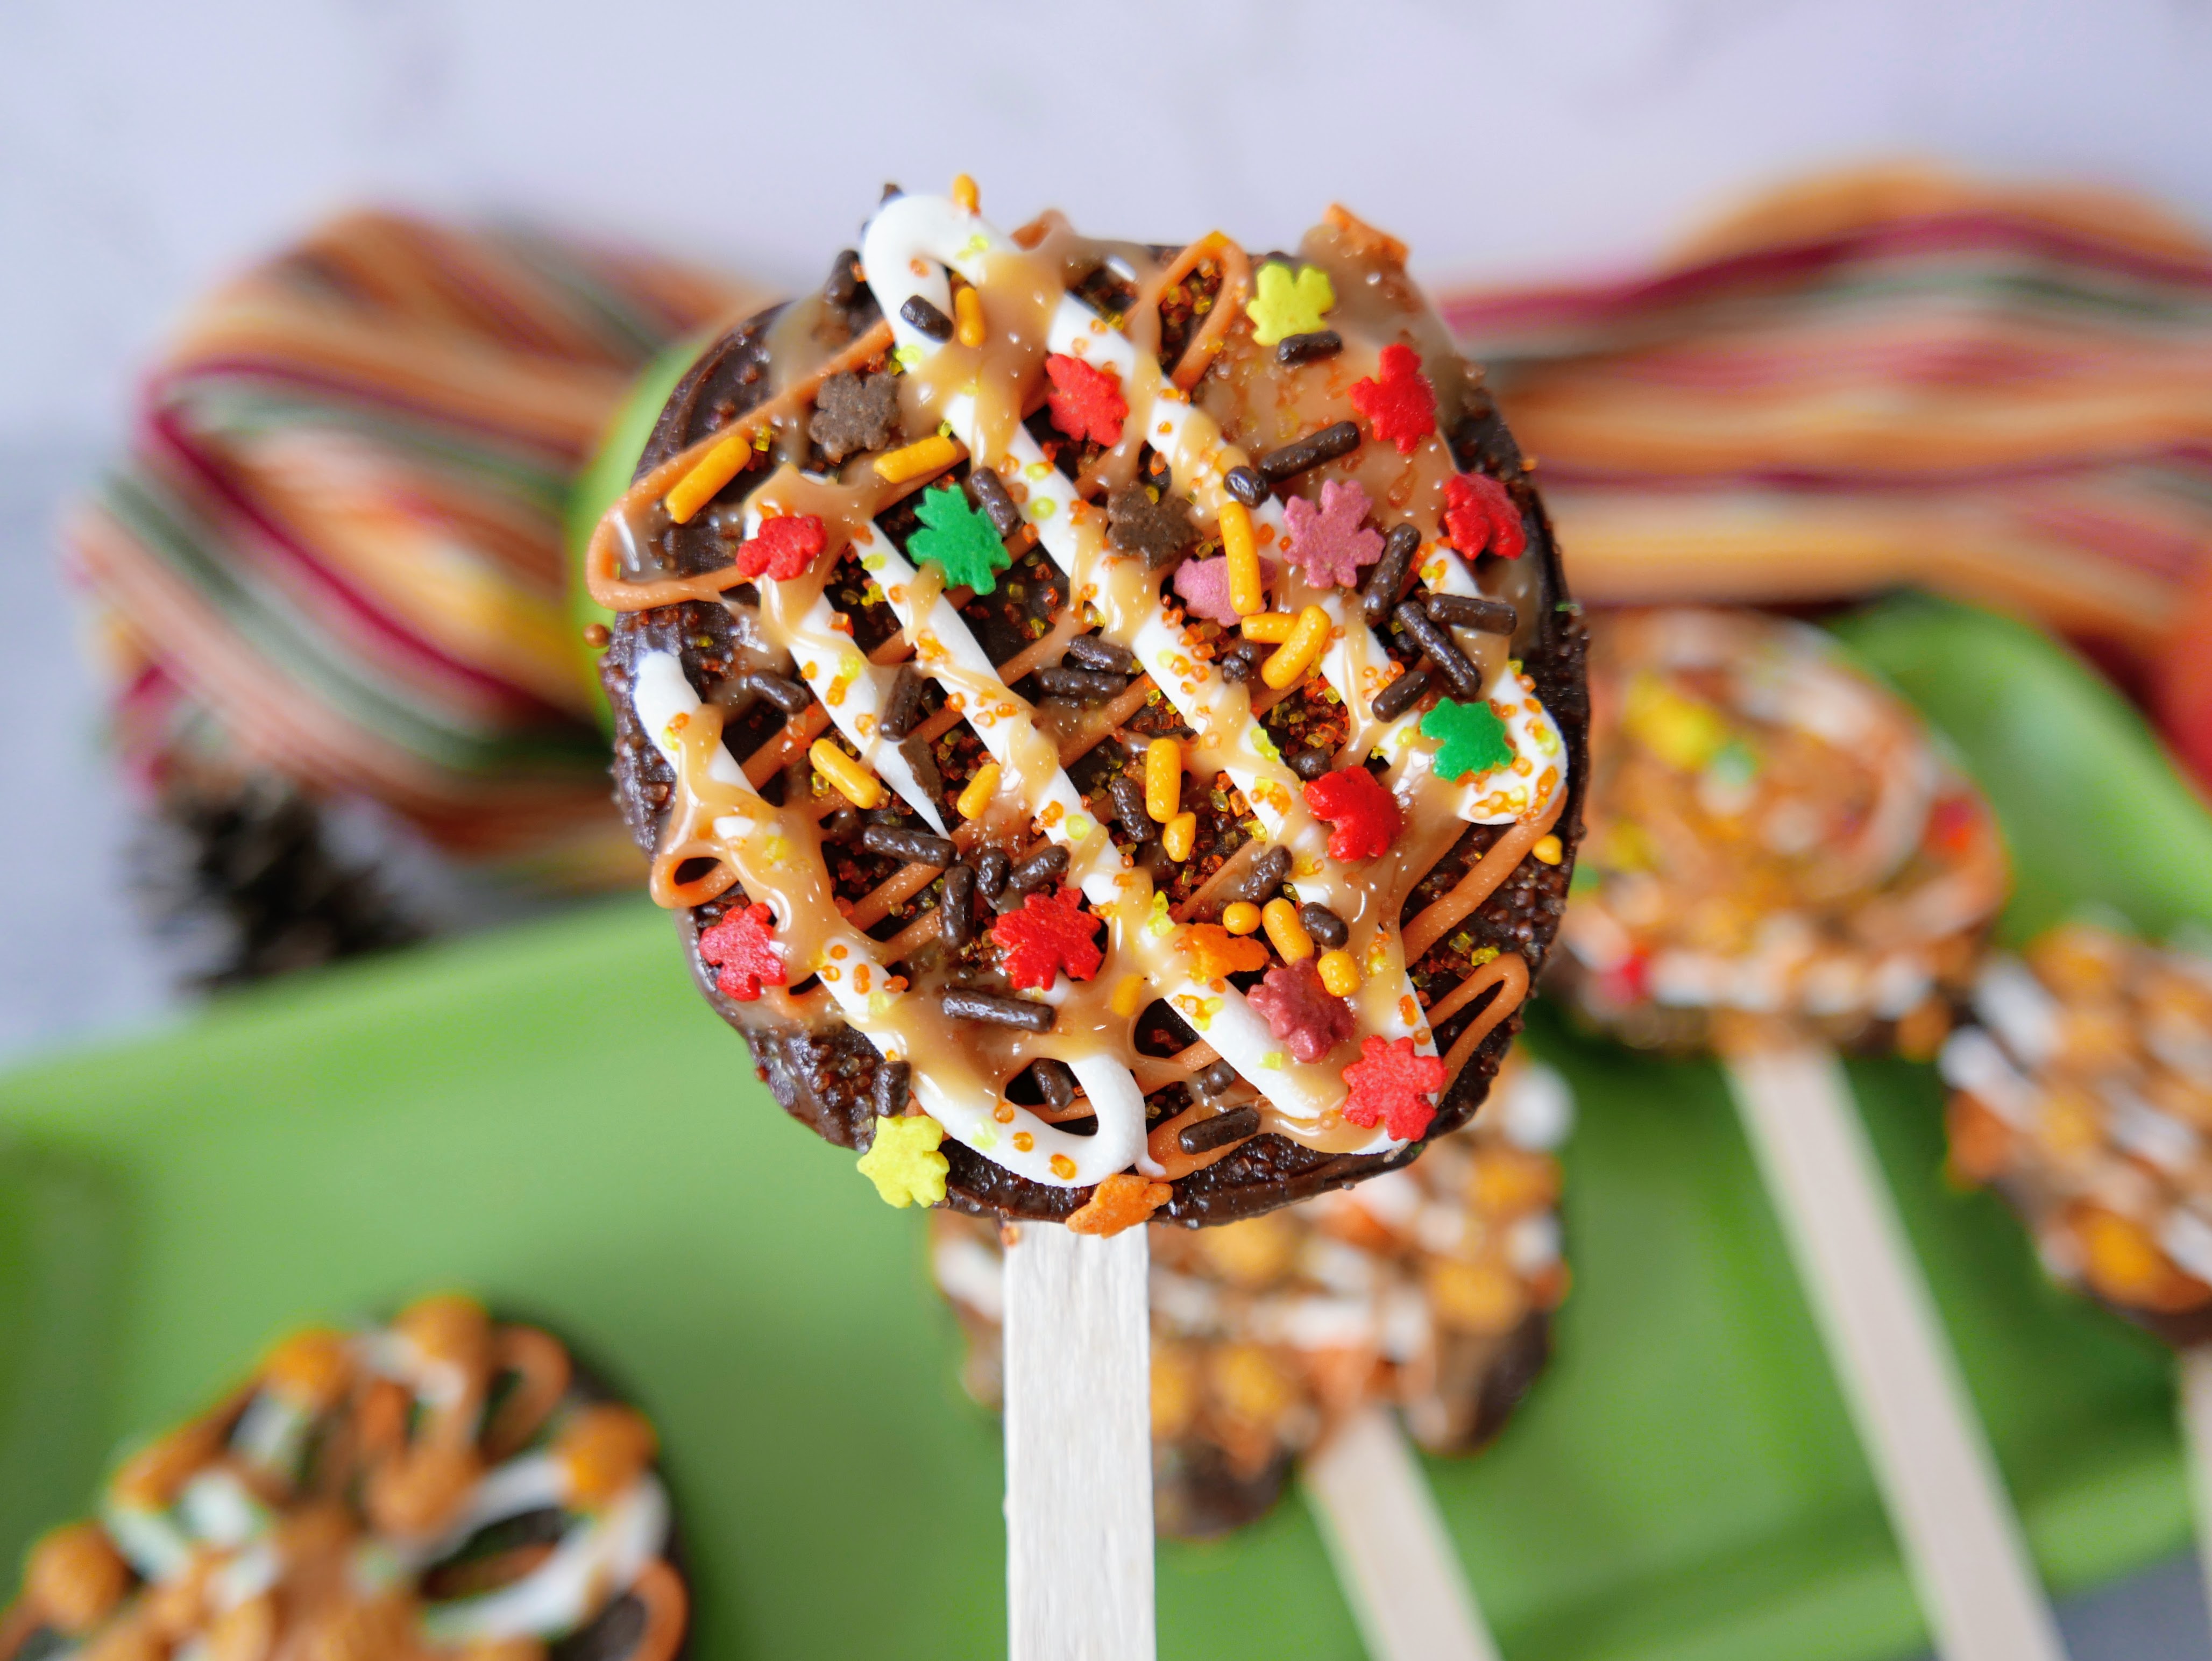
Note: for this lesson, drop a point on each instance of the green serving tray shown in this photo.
(551, 1117)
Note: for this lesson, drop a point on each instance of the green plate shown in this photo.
(552, 1118)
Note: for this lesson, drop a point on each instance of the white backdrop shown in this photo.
(146, 148)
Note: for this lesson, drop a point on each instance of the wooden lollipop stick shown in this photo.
(2196, 1393)
(1393, 1557)
(1946, 1499)
(1078, 1446)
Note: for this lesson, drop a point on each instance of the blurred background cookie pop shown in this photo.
(2084, 1096)
(1779, 862)
(1300, 1339)
(331, 585)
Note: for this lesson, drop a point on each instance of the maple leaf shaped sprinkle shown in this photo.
(1366, 816)
(1392, 1082)
(1216, 954)
(1121, 1201)
(904, 1162)
(783, 547)
(1285, 305)
(1155, 530)
(852, 414)
(1479, 514)
(1086, 402)
(1051, 932)
(743, 950)
(960, 539)
(1330, 543)
(1400, 405)
(1305, 1016)
(1475, 739)
(1204, 585)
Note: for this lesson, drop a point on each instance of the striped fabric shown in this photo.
(335, 548)
(1887, 377)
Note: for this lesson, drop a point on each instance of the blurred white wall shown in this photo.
(146, 148)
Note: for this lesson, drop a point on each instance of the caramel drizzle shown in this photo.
(700, 737)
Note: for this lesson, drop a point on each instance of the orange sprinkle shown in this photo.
(1121, 1202)
(965, 193)
(708, 475)
(1062, 1167)
(1023, 1142)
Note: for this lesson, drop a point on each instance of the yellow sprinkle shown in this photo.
(1246, 596)
(981, 789)
(1242, 918)
(967, 313)
(1295, 655)
(1269, 627)
(708, 474)
(1128, 996)
(1162, 779)
(1547, 849)
(1179, 836)
(1280, 919)
(904, 1162)
(931, 455)
(854, 782)
(964, 192)
(1338, 973)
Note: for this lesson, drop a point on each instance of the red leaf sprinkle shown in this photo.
(1400, 405)
(1086, 402)
(1391, 1082)
(1479, 515)
(1052, 932)
(783, 547)
(1366, 818)
(743, 948)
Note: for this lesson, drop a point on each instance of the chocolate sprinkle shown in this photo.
(1442, 651)
(843, 286)
(1129, 806)
(918, 847)
(956, 911)
(1045, 865)
(894, 1084)
(1381, 591)
(1310, 764)
(1324, 925)
(788, 696)
(1402, 695)
(963, 1004)
(1267, 874)
(1056, 1080)
(1203, 1136)
(990, 493)
(1238, 663)
(1159, 531)
(903, 709)
(1310, 451)
(852, 414)
(927, 318)
(1294, 349)
(1464, 611)
(1097, 652)
(1248, 484)
(990, 872)
(1084, 686)
(1217, 1078)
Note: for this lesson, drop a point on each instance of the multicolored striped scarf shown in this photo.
(1887, 377)
(335, 549)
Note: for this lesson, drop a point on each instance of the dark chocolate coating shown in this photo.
(823, 1078)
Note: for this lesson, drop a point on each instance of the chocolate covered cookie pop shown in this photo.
(1781, 861)
(443, 1488)
(1108, 716)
